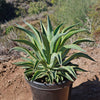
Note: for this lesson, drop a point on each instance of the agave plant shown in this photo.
(47, 61)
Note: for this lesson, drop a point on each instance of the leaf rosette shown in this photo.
(47, 60)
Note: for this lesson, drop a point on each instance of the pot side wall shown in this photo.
(60, 94)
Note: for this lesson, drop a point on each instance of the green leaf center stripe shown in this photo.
(56, 31)
(54, 39)
(38, 44)
(37, 74)
(24, 50)
(28, 43)
(29, 33)
(24, 64)
(71, 33)
(49, 29)
(82, 40)
(43, 29)
(38, 35)
(76, 55)
(35, 49)
(68, 69)
(74, 46)
(66, 29)
(55, 56)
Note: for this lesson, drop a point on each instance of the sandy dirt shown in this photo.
(87, 86)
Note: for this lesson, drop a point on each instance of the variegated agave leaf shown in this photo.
(48, 58)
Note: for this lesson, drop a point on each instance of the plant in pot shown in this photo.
(48, 70)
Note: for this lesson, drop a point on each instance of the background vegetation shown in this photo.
(85, 12)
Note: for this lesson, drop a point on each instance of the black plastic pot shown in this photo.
(61, 91)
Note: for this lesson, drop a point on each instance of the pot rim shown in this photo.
(45, 86)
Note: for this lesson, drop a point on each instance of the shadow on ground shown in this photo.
(7, 11)
(89, 90)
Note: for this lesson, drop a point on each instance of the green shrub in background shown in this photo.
(54, 1)
(94, 15)
(37, 7)
(21, 12)
(8, 29)
(72, 11)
